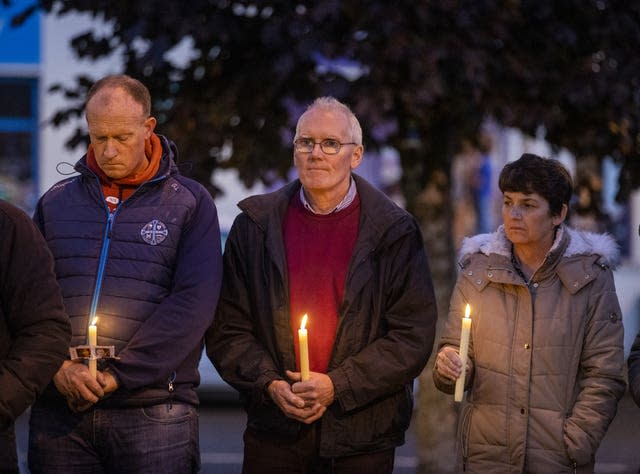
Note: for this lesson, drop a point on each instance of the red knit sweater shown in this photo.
(318, 249)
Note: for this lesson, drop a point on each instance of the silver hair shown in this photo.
(329, 102)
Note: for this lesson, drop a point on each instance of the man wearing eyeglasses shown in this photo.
(331, 246)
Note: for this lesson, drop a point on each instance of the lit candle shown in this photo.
(464, 349)
(304, 349)
(93, 342)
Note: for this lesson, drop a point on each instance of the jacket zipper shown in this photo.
(170, 388)
(106, 241)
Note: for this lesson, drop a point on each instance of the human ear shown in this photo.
(149, 125)
(356, 156)
(559, 219)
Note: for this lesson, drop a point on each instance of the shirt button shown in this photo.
(490, 274)
(522, 411)
(526, 346)
(535, 285)
(470, 273)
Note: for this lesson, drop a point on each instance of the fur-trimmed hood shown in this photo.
(580, 243)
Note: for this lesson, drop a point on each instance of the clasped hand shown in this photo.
(449, 365)
(75, 382)
(303, 401)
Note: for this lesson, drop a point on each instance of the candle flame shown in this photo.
(304, 322)
(467, 311)
(95, 321)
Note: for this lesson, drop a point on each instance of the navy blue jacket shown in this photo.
(150, 271)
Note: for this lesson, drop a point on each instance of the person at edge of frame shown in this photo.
(34, 328)
(545, 365)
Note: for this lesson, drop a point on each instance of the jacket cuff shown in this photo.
(261, 395)
(342, 392)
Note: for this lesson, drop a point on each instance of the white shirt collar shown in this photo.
(346, 200)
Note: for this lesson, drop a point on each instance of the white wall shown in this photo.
(59, 64)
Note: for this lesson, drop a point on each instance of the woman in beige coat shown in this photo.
(546, 364)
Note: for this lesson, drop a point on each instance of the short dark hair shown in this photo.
(544, 176)
(136, 89)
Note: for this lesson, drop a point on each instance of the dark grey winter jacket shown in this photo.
(385, 331)
(34, 329)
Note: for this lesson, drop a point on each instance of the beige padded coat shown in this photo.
(548, 354)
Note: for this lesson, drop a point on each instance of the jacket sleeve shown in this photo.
(408, 314)
(601, 378)
(634, 370)
(240, 357)
(451, 337)
(34, 328)
(178, 324)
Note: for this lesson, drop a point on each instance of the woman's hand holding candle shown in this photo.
(465, 334)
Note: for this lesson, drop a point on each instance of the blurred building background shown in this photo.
(33, 156)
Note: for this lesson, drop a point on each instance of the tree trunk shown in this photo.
(436, 417)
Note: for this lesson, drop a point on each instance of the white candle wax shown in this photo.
(304, 349)
(464, 350)
(93, 342)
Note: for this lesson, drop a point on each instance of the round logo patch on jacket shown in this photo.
(154, 232)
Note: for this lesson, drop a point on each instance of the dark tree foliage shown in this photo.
(422, 75)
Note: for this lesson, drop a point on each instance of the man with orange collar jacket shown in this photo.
(138, 246)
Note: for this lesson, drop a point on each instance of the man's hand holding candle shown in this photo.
(80, 388)
(303, 401)
(292, 405)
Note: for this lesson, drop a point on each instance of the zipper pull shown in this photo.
(170, 381)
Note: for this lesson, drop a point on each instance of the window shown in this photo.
(18, 141)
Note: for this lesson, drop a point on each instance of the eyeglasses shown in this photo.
(328, 145)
